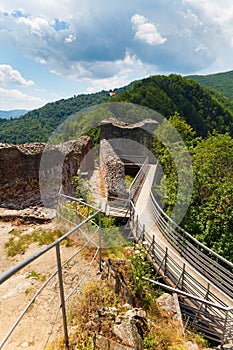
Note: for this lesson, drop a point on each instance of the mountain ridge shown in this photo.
(222, 82)
(13, 113)
(206, 110)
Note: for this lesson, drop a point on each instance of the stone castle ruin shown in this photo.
(32, 174)
(123, 148)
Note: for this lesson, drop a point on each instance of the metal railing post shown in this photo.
(224, 336)
(137, 226)
(143, 232)
(165, 261)
(100, 243)
(62, 297)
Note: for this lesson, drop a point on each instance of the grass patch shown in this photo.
(28, 291)
(36, 275)
(43, 237)
(19, 242)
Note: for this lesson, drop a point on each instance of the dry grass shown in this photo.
(164, 332)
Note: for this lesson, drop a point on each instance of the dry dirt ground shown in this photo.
(42, 322)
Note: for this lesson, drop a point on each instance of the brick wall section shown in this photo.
(23, 168)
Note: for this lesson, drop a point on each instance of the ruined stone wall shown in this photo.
(25, 168)
(130, 139)
(112, 172)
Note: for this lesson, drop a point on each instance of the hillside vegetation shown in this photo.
(37, 125)
(222, 82)
(204, 110)
(209, 216)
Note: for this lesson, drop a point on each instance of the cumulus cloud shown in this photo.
(15, 99)
(35, 25)
(91, 40)
(124, 73)
(218, 14)
(146, 31)
(9, 76)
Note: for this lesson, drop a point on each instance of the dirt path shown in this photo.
(43, 321)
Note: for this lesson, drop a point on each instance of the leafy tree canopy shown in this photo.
(210, 215)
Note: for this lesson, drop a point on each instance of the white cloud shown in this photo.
(101, 45)
(70, 39)
(124, 73)
(146, 31)
(15, 99)
(9, 76)
(36, 25)
(217, 14)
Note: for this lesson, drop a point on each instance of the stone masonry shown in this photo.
(112, 172)
(32, 174)
(129, 139)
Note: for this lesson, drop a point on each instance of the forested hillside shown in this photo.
(204, 110)
(222, 82)
(37, 125)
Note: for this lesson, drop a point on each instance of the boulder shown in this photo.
(130, 328)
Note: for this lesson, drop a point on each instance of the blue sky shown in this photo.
(57, 49)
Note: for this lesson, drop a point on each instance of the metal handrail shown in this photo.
(135, 186)
(208, 264)
(10, 272)
(196, 253)
(56, 244)
(205, 307)
(188, 235)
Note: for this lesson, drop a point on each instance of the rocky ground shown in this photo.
(42, 321)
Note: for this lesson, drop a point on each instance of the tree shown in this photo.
(210, 216)
(172, 141)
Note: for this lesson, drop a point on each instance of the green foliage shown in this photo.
(128, 180)
(19, 242)
(210, 217)
(222, 82)
(172, 140)
(205, 110)
(17, 246)
(82, 188)
(149, 342)
(43, 237)
(38, 125)
(141, 267)
(36, 275)
(201, 108)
